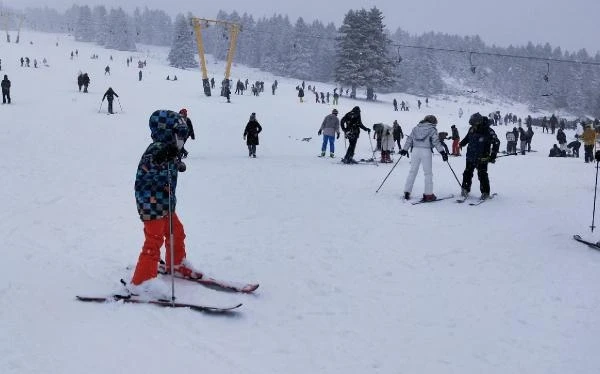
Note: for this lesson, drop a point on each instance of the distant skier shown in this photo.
(419, 104)
(421, 140)
(107, 70)
(529, 134)
(395, 103)
(455, 141)
(351, 124)
(387, 141)
(140, 76)
(253, 128)
(86, 82)
(589, 139)
(155, 184)
(212, 83)
(190, 132)
(561, 137)
(5, 89)
(483, 146)
(574, 147)
(109, 95)
(336, 97)
(329, 128)
(511, 143)
(397, 134)
(80, 81)
(301, 94)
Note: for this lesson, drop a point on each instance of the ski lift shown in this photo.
(473, 68)
(547, 81)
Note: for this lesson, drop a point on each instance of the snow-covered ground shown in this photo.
(351, 281)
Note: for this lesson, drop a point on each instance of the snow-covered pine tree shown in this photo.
(301, 53)
(183, 48)
(362, 51)
(100, 18)
(84, 27)
(121, 34)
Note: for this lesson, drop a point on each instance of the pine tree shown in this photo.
(121, 34)
(300, 54)
(84, 27)
(362, 51)
(100, 18)
(183, 48)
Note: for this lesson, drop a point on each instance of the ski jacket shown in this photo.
(482, 142)
(510, 137)
(561, 137)
(589, 136)
(424, 135)
(351, 124)
(455, 135)
(251, 132)
(522, 134)
(397, 132)
(529, 133)
(109, 94)
(330, 125)
(5, 84)
(190, 128)
(152, 176)
(387, 138)
(575, 144)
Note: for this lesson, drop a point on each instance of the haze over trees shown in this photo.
(383, 63)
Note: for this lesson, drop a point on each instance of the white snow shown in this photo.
(351, 281)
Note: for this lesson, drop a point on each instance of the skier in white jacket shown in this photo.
(422, 139)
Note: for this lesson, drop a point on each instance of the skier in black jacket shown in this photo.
(253, 128)
(351, 124)
(109, 95)
(183, 112)
(483, 148)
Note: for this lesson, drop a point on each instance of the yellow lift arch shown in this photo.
(234, 30)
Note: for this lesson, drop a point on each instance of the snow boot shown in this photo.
(464, 193)
(484, 196)
(407, 196)
(322, 154)
(331, 155)
(431, 197)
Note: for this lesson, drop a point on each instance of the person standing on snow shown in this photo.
(483, 146)
(351, 124)
(109, 95)
(156, 173)
(455, 141)
(190, 133)
(422, 139)
(589, 139)
(329, 128)
(561, 137)
(253, 128)
(386, 137)
(397, 133)
(5, 89)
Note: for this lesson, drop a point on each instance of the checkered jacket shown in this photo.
(152, 178)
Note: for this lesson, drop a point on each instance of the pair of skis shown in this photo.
(209, 282)
(478, 202)
(592, 245)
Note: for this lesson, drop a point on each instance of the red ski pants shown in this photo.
(156, 233)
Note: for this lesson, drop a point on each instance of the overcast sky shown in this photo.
(569, 24)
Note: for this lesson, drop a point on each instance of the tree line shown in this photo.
(361, 53)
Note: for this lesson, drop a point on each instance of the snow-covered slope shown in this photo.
(351, 281)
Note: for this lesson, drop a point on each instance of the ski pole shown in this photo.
(388, 174)
(172, 254)
(372, 151)
(102, 102)
(508, 154)
(119, 101)
(455, 177)
(595, 189)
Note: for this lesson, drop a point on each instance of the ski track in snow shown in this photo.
(351, 281)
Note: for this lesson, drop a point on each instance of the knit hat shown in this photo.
(253, 117)
(334, 111)
(431, 119)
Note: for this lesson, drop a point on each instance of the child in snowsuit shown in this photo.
(329, 128)
(155, 184)
(386, 137)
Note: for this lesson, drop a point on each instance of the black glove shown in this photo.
(166, 153)
(369, 131)
(181, 167)
(492, 158)
(404, 152)
(319, 132)
(597, 156)
(338, 135)
(444, 156)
